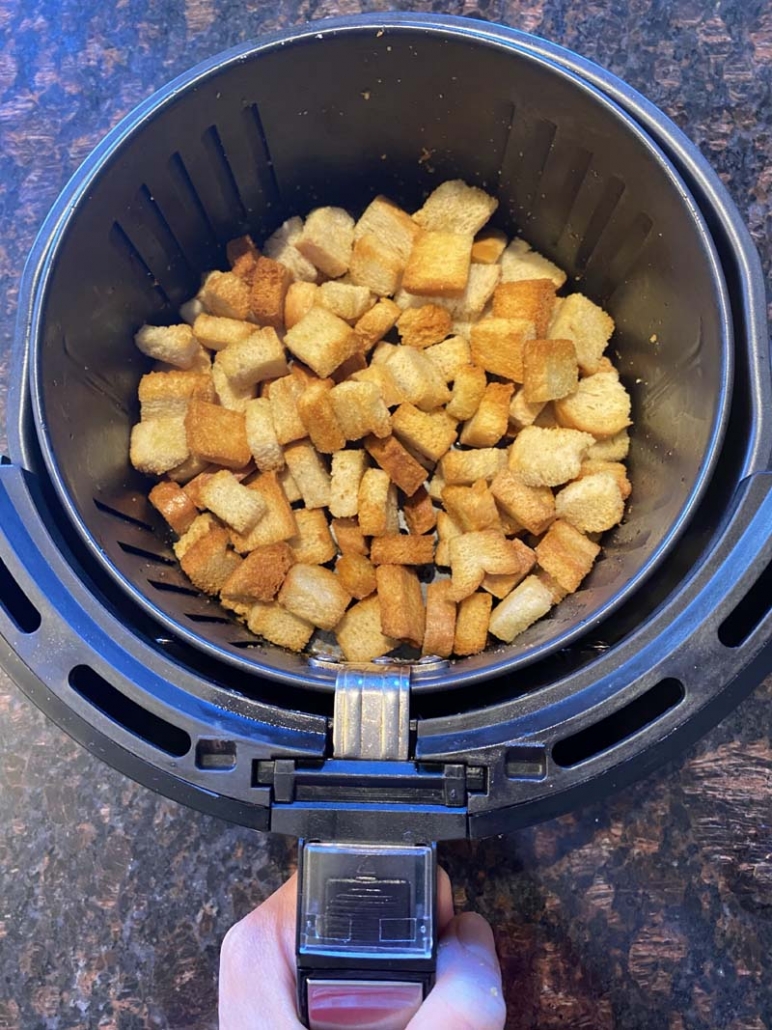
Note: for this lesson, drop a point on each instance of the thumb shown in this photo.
(467, 994)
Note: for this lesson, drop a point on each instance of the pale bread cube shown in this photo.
(465, 307)
(359, 633)
(281, 247)
(313, 543)
(173, 344)
(522, 412)
(375, 266)
(322, 340)
(217, 333)
(617, 469)
(384, 380)
(375, 323)
(315, 594)
(348, 467)
(167, 394)
(532, 507)
(600, 405)
(591, 504)
(159, 445)
(450, 357)
(548, 457)
(191, 309)
(277, 524)
(550, 370)
(327, 240)
(447, 530)
(377, 504)
(456, 207)
(301, 297)
(467, 467)
(472, 555)
(432, 433)
(226, 294)
(519, 261)
(284, 395)
(279, 626)
(468, 390)
(588, 326)
(611, 448)
(261, 436)
(309, 472)
(197, 530)
(418, 378)
(345, 300)
(527, 603)
(394, 229)
(229, 500)
(489, 423)
(260, 356)
(232, 395)
(360, 410)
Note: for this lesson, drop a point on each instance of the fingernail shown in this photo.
(476, 936)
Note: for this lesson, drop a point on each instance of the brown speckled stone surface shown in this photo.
(652, 909)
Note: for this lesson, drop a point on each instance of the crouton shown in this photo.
(375, 323)
(436, 485)
(279, 626)
(159, 445)
(277, 524)
(242, 255)
(258, 357)
(260, 575)
(240, 610)
(217, 434)
(281, 247)
(226, 295)
(209, 561)
(377, 504)
(394, 229)
(463, 308)
(497, 345)
(217, 333)
(348, 467)
(456, 207)
(356, 574)
(533, 507)
(587, 325)
(472, 624)
(190, 310)
(360, 410)
(548, 457)
(309, 472)
(420, 514)
(232, 395)
(519, 261)
(600, 405)
(489, 423)
(403, 615)
(349, 536)
(440, 630)
(528, 602)
(167, 394)
(467, 467)
(591, 504)
(550, 370)
(174, 505)
(402, 549)
(472, 555)
(450, 357)
(301, 297)
(488, 246)
(359, 633)
(345, 300)
(356, 363)
(447, 530)
(195, 488)
(418, 378)
(431, 433)
(270, 283)
(261, 435)
(198, 529)
(238, 507)
(283, 396)
(616, 468)
(315, 594)
(509, 525)
(471, 507)
(174, 344)
(499, 585)
(188, 469)
(383, 353)
(401, 467)
(322, 340)
(313, 544)
(289, 486)
(318, 415)
(522, 412)
(531, 300)
(566, 554)
(375, 266)
(327, 239)
(422, 327)
(438, 264)
(468, 390)
(612, 448)
(384, 380)
(546, 419)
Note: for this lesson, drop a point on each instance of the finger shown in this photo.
(444, 900)
(467, 994)
(257, 967)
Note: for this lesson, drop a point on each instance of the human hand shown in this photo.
(257, 970)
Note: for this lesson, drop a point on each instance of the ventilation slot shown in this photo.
(216, 754)
(15, 603)
(601, 216)
(748, 614)
(122, 243)
(225, 179)
(218, 619)
(624, 723)
(122, 516)
(140, 552)
(133, 717)
(173, 588)
(528, 762)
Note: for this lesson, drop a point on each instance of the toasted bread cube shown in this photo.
(467, 467)
(488, 246)
(375, 323)
(600, 405)
(359, 633)
(403, 615)
(357, 575)
(522, 412)
(384, 380)
(277, 524)
(209, 562)
(281, 247)
(497, 345)
(531, 300)
(471, 507)
(188, 469)
(438, 264)
(436, 484)
(619, 471)
(383, 353)
(440, 630)
(226, 497)
(240, 610)
(167, 394)
(174, 344)
(422, 327)
(548, 457)
(259, 357)
(349, 536)
(533, 507)
(472, 624)
(279, 626)
(402, 549)
(394, 229)
(465, 307)
(195, 488)
(587, 325)
(519, 262)
(472, 555)
(401, 467)
(556, 590)
(525, 605)
(566, 554)
(198, 529)
(550, 370)
(360, 410)
(348, 467)
(606, 365)
(159, 445)
(270, 283)
(377, 504)
(345, 300)
(375, 266)
(499, 586)
(322, 340)
(217, 434)
(591, 504)
(315, 594)
(420, 514)
(226, 295)
(316, 410)
(447, 530)
(546, 419)
(217, 333)
(301, 297)
(289, 486)
(612, 448)
(450, 357)
(260, 575)
(191, 309)
(327, 239)
(431, 433)
(309, 472)
(456, 207)
(202, 362)
(356, 363)
(489, 423)
(313, 544)
(232, 395)
(418, 378)
(174, 505)
(509, 525)
(242, 255)
(261, 436)
(284, 395)
(468, 390)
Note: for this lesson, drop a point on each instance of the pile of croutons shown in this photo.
(365, 406)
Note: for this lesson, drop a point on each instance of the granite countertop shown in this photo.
(650, 909)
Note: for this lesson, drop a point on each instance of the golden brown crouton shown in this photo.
(472, 555)
(418, 378)
(261, 435)
(195, 488)
(375, 266)
(242, 255)
(533, 507)
(420, 514)
(327, 239)
(489, 423)
(281, 247)
(471, 507)
(440, 620)
(612, 448)
(301, 297)
(617, 470)
(546, 419)
(431, 433)
(550, 370)
(309, 472)
(232, 395)
(217, 333)
(209, 562)
(159, 445)
(226, 295)
(345, 300)
(456, 207)
(314, 593)
(402, 549)
(174, 344)
(499, 585)
(383, 353)
(467, 306)
(488, 246)
(529, 299)
(349, 536)
(384, 380)
(167, 394)
(279, 521)
(438, 264)
(521, 412)
(447, 530)
(356, 574)
(557, 593)
(260, 575)
(548, 457)
(403, 615)
(600, 405)
(284, 395)
(518, 262)
(316, 410)
(450, 357)
(322, 340)
(270, 283)
(520, 609)
(566, 554)
(356, 363)
(375, 323)
(360, 410)
(191, 467)
(258, 357)
(279, 626)
(394, 229)
(174, 505)
(289, 486)
(403, 469)
(313, 544)
(472, 624)
(217, 434)
(468, 390)
(348, 467)
(359, 633)
(424, 326)
(377, 504)
(590, 328)
(591, 504)
(238, 507)
(497, 345)
(198, 529)
(466, 467)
